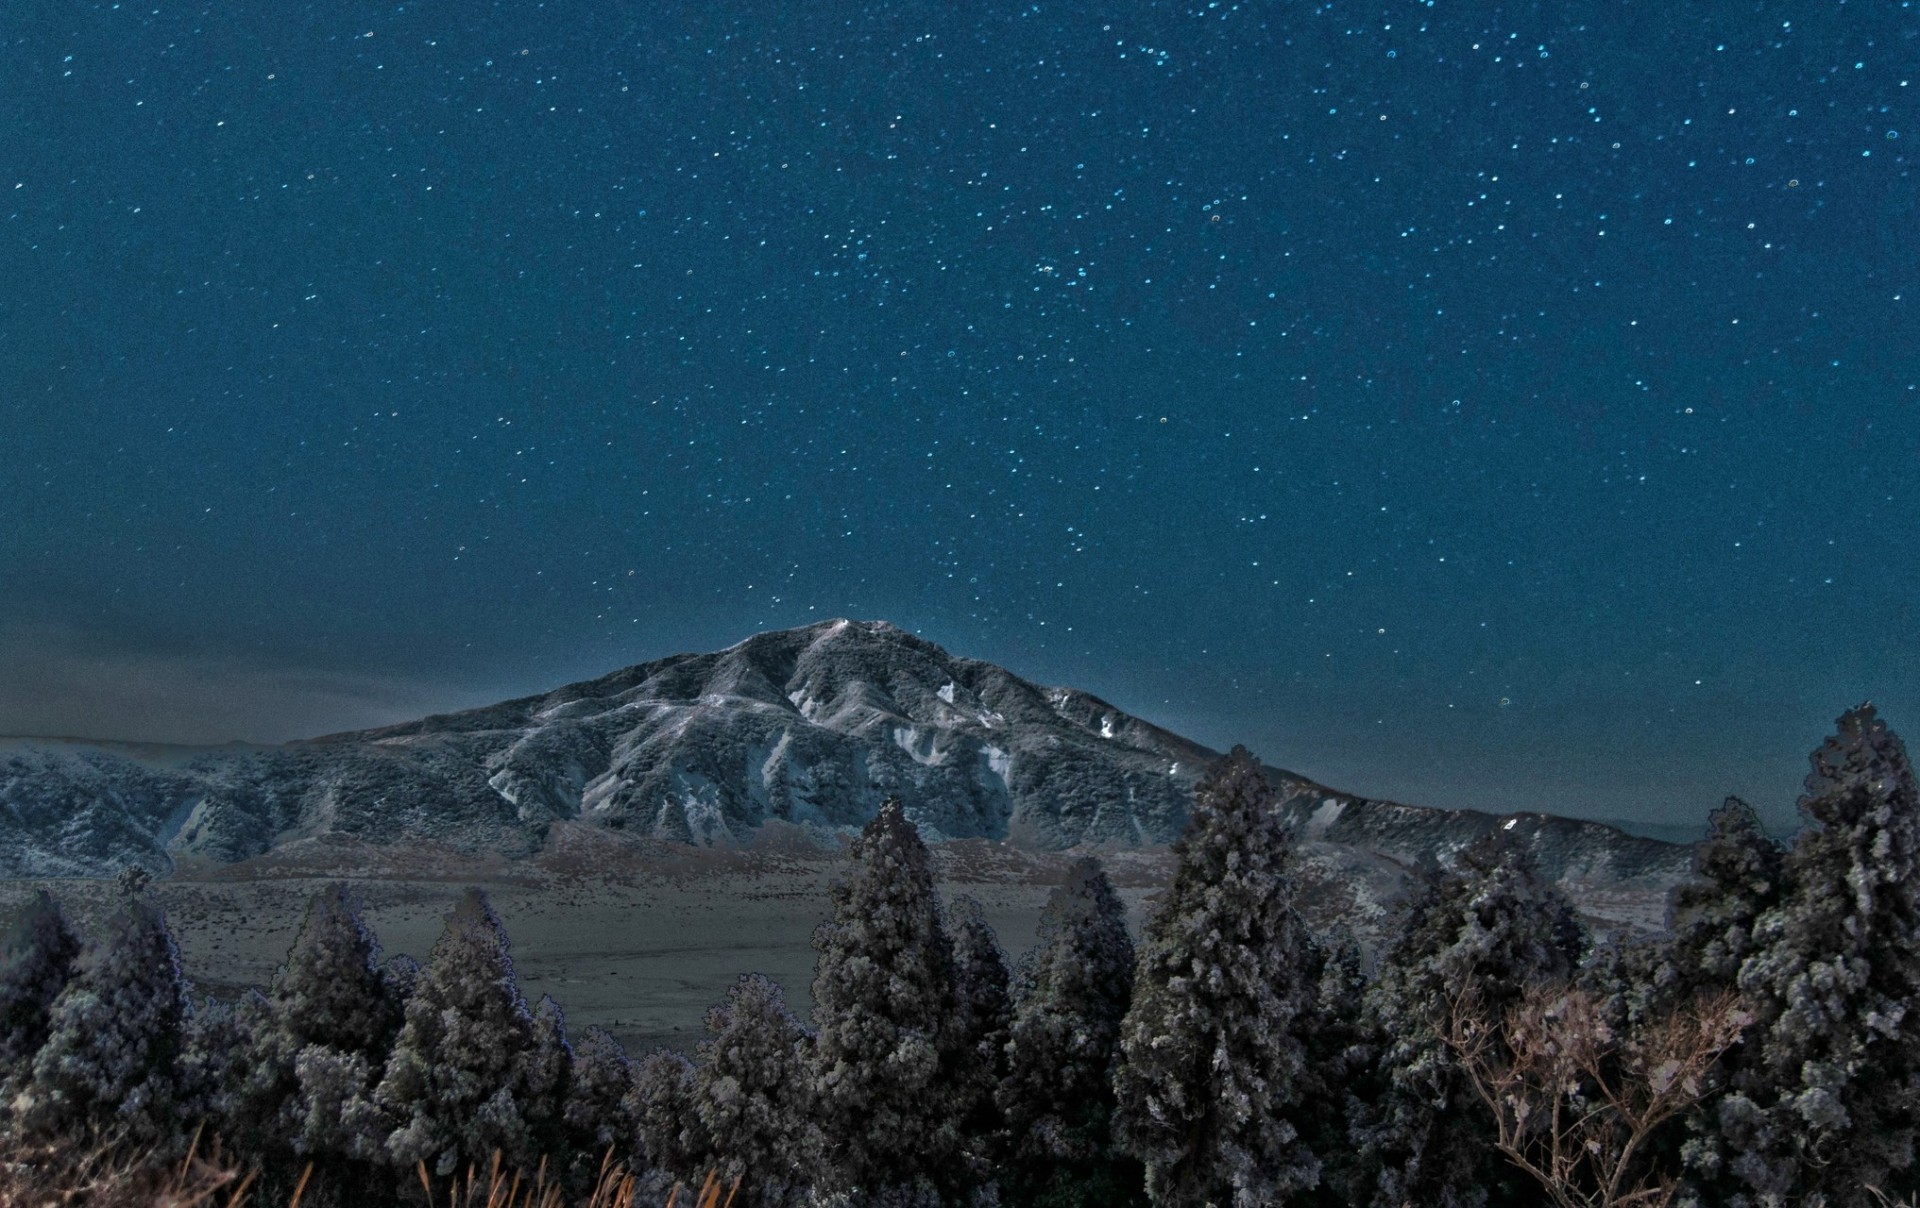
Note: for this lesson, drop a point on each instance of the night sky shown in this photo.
(1513, 406)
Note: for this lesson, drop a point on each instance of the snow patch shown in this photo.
(1106, 726)
(700, 798)
(760, 757)
(999, 762)
(946, 691)
(1323, 817)
(920, 746)
(600, 792)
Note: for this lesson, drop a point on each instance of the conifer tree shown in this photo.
(111, 1061)
(1070, 995)
(456, 1081)
(674, 1141)
(399, 978)
(329, 1015)
(1211, 1078)
(548, 1086)
(597, 1115)
(213, 1065)
(749, 1092)
(978, 1055)
(1738, 876)
(330, 991)
(1824, 1100)
(885, 1003)
(36, 963)
(1490, 929)
(1338, 1047)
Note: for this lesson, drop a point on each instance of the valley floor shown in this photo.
(638, 941)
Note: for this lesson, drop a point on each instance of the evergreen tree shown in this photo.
(331, 1012)
(548, 1086)
(36, 963)
(456, 1081)
(749, 1092)
(978, 1053)
(1210, 1082)
(1824, 1100)
(213, 1065)
(1490, 930)
(597, 1115)
(1338, 1046)
(111, 1061)
(885, 1004)
(337, 1126)
(399, 978)
(330, 991)
(1071, 994)
(1738, 876)
(674, 1141)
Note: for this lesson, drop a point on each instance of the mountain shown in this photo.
(813, 727)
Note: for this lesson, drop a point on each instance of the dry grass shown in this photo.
(614, 1188)
(102, 1174)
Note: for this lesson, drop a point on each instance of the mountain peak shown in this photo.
(813, 727)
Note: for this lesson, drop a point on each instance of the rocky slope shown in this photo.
(811, 726)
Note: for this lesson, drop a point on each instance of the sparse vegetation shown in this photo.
(1764, 1051)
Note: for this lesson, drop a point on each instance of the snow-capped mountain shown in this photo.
(812, 726)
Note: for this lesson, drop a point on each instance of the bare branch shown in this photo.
(1573, 1104)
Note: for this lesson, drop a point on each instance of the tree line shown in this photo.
(1764, 1051)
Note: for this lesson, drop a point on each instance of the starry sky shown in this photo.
(1500, 405)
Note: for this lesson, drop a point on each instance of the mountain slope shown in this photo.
(812, 726)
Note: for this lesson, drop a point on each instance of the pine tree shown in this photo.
(749, 1092)
(1824, 1101)
(1210, 1082)
(36, 963)
(977, 1056)
(884, 1005)
(1491, 929)
(111, 1061)
(1070, 995)
(455, 1082)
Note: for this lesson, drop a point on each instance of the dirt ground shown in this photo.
(639, 940)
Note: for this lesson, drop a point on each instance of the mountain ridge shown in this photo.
(811, 726)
